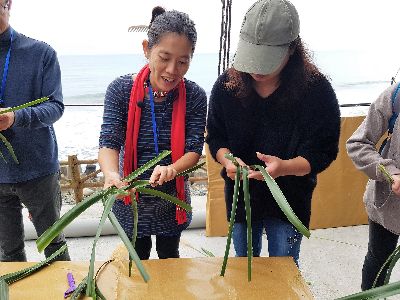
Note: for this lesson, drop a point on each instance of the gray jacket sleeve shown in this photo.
(362, 145)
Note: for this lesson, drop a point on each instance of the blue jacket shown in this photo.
(34, 72)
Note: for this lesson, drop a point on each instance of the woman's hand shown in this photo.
(273, 165)
(113, 179)
(6, 120)
(396, 184)
(162, 174)
(231, 169)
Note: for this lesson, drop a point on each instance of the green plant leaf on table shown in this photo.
(4, 292)
(7, 279)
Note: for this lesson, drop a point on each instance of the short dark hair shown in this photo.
(170, 22)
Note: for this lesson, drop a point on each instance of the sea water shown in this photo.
(357, 77)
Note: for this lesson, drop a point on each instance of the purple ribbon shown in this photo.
(71, 284)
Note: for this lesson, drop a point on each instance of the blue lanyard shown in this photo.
(5, 71)
(153, 119)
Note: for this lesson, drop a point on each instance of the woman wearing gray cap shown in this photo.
(273, 105)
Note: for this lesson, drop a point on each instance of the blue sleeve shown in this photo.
(196, 111)
(48, 112)
(113, 129)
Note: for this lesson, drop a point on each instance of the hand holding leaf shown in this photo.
(6, 119)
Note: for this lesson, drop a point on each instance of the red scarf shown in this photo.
(177, 134)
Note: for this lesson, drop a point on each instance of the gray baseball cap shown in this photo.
(268, 28)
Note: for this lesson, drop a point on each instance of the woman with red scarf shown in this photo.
(145, 113)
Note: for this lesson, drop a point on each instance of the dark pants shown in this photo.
(42, 198)
(166, 246)
(380, 245)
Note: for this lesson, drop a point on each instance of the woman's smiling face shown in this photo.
(169, 60)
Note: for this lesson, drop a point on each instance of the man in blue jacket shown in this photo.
(29, 70)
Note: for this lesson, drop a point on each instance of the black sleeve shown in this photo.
(320, 127)
(217, 135)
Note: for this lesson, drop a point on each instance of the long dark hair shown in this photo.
(295, 76)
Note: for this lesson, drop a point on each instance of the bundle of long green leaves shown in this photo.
(108, 197)
(242, 172)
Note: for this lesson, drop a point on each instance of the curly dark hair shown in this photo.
(295, 76)
(173, 21)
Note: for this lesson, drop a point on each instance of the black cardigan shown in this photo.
(308, 127)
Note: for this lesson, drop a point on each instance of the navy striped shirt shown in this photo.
(156, 216)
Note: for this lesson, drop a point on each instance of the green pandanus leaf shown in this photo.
(140, 185)
(91, 286)
(232, 220)
(188, 171)
(165, 196)
(246, 194)
(79, 289)
(2, 156)
(395, 258)
(376, 293)
(15, 276)
(207, 253)
(391, 261)
(147, 166)
(99, 294)
(7, 279)
(4, 292)
(45, 239)
(282, 202)
(128, 245)
(9, 148)
(25, 105)
(388, 177)
(134, 232)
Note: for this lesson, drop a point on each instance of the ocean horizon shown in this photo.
(356, 76)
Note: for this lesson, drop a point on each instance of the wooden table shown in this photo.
(184, 278)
